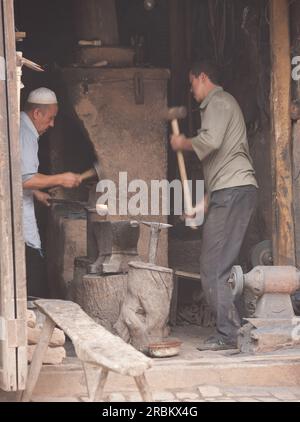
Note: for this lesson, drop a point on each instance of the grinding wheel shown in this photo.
(262, 254)
(236, 281)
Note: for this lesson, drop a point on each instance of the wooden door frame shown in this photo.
(13, 296)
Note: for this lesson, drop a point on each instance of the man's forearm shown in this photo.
(41, 181)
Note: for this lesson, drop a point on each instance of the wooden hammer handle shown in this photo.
(89, 174)
(183, 174)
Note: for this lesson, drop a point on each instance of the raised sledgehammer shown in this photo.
(173, 115)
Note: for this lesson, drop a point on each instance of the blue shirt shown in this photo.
(30, 163)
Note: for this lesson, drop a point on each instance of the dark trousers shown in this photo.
(36, 273)
(229, 214)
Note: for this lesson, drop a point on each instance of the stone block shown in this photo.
(58, 337)
(31, 319)
(53, 356)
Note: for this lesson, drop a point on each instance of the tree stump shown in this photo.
(145, 313)
(101, 297)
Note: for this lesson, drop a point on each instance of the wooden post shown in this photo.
(178, 66)
(295, 37)
(144, 389)
(178, 52)
(13, 355)
(189, 40)
(13, 116)
(283, 221)
(95, 378)
(8, 379)
(101, 384)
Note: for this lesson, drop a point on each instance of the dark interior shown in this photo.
(174, 33)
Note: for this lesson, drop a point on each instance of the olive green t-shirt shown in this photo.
(222, 143)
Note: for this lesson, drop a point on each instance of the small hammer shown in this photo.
(92, 173)
(173, 114)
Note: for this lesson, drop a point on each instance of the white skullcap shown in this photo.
(42, 96)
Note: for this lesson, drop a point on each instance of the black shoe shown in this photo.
(216, 343)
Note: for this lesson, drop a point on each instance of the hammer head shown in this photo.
(97, 169)
(175, 113)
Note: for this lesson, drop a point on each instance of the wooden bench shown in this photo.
(94, 346)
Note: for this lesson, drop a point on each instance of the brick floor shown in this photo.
(209, 391)
(187, 396)
(199, 394)
(116, 398)
(285, 395)
(163, 396)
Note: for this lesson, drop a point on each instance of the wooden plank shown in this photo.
(16, 186)
(189, 58)
(178, 52)
(283, 224)
(7, 305)
(20, 36)
(184, 274)
(92, 343)
(178, 62)
(295, 112)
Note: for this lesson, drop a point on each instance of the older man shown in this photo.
(222, 147)
(38, 116)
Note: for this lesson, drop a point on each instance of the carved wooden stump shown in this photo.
(145, 312)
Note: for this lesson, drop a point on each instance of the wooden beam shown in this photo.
(13, 300)
(178, 52)
(283, 218)
(20, 36)
(295, 112)
(189, 41)
(8, 380)
(178, 66)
